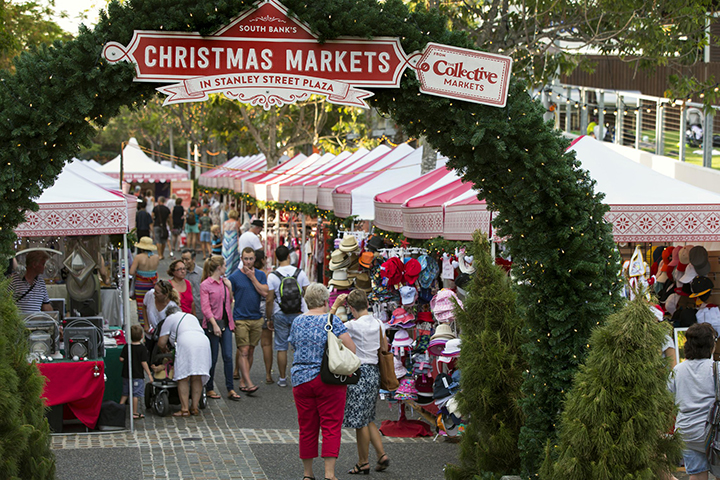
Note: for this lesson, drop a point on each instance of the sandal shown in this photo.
(194, 411)
(181, 413)
(270, 381)
(382, 464)
(249, 390)
(236, 376)
(213, 394)
(357, 469)
(308, 478)
(232, 395)
(138, 416)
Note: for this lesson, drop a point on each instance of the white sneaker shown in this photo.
(282, 382)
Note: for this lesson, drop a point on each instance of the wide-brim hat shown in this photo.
(400, 315)
(437, 346)
(452, 348)
(146, 243)
(445, 317)
(348, 244)
(340, 279)
(675, 256)
(400, 370)
(699, 259)
(701, 287)
(443, 331)
(442, 302)
(412, 271)
(689, 274)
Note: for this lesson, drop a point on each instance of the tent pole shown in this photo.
(122, 160)
(126, 321)
(302, 243)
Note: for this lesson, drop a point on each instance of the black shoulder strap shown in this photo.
(297, 273)
(28, 290)
(278, 274)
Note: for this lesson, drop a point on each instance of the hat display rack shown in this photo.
(406, 294)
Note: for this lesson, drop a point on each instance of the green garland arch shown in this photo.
(562, 249)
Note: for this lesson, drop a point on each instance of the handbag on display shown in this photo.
(339, 365)
(712, 440)
(386, 366)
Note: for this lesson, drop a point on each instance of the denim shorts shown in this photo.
(138, 387)
(205, 237)
(695, 462)
(282, 323)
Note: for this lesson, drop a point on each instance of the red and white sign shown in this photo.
(464, 74)
(264, 57)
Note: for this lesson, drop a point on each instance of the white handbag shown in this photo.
(341, 361)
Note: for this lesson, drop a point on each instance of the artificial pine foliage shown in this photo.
(546, 206)
(24, 432)
(619, 411)
(492, 369)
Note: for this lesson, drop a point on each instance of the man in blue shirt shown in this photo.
(249, 287)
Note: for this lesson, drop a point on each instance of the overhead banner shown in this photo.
(265, 57)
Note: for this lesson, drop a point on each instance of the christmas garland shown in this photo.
(563, 253)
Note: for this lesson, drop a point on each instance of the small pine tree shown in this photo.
(24, 432)
(619, 411)
(492, 369)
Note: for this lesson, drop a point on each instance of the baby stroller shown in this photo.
(162, 391)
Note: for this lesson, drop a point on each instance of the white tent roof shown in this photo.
(88, 173)
(138, 167)
(76, 206)
(91, 163)
(647, 206)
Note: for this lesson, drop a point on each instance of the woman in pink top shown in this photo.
(177, 272)
(216, 299)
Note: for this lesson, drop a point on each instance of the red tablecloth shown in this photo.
(77, 384)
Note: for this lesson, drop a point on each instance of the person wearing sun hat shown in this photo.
(702, 288)
(144, 267)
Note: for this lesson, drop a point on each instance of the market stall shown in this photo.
(378, 159)
(388, 204)
(256, 185)
(309, 188)
(139, 168)
(235, 179)
(286, 188)
(356, 197)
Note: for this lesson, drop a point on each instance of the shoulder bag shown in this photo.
(386, 365)
(712, 440)
(339, 365)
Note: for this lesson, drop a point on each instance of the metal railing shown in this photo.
(680, 130)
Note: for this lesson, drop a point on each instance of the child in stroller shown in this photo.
(162, 391)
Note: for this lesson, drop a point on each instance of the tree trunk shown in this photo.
(429, 156)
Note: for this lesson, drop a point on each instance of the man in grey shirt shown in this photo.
(194, 276)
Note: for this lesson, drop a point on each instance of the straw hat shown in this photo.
(362, 281)
(349, 244)
(340, 279)
(338, 260)
(146, 243)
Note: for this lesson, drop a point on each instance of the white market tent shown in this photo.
(647, 206)
(138, 167)
(86, 171)
(76, 206)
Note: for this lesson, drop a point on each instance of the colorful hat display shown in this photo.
(412, 271)
(675, 256)
(348, 244)
(684, 255)
(408, 295)
(401, 316)
(429, 270)
(340, 279)
(699, 259)
(406, 390)
(436, 346)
